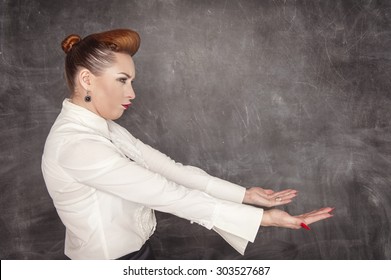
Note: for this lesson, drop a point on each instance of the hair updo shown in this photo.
(96, 51)
(69, 41)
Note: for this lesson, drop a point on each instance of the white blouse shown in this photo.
(105, 184)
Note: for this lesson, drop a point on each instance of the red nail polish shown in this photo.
(303, 225)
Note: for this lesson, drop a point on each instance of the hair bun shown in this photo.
(69, 41)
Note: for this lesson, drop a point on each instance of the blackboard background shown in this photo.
(280, 94)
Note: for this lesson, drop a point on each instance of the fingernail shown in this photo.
(303, 225)
(332, 209)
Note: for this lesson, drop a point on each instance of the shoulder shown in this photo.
(69, 137)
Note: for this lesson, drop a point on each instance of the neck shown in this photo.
(79, 100)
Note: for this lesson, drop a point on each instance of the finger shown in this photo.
(284, 193)
(314, 213)
(279, 196)
(268, 191)
(319, 211)
(289, 196)
(261, 191)
(316, 218)
(323, 210)
(282, 202)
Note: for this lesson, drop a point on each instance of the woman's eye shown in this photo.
(122, 80)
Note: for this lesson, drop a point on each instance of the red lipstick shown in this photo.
(126, 106)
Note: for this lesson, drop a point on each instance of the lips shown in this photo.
(126, 106)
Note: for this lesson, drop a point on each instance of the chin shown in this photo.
(117, 116)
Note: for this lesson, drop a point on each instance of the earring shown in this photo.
(87, 98)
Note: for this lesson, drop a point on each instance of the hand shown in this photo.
(268, 198)
(279, 218)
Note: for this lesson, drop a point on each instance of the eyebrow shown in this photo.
(127, 75)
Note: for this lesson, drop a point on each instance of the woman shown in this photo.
(106, 184)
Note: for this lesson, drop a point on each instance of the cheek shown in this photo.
(110, 93)
(113, 91)
(109, 97)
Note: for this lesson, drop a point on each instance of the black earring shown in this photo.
(87, 98)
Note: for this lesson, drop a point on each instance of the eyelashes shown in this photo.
(124, 80)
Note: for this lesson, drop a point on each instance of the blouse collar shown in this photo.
(86, 117)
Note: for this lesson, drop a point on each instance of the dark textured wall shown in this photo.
(281, 94)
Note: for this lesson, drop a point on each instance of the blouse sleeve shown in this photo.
(100, 165)
(188, 176)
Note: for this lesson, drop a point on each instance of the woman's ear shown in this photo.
(84, 79)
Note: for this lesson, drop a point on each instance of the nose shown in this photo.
(131, 94)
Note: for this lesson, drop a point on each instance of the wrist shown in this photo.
(246, 198)
(266, 219)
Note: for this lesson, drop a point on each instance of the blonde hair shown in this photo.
(96, 51)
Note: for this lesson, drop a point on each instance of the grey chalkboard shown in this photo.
(280, 94)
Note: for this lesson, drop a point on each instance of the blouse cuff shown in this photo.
(241, 220)
(239, 244)
(225, 190)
